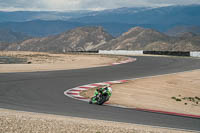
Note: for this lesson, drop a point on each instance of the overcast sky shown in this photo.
(64, 5)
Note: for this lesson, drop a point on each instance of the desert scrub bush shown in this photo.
(194, 100)
(197, 98)
(191, 99)
(173, 98)
(176, 99)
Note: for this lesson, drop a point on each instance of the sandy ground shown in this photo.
(174, 93)
(26, 122)
(46, 61)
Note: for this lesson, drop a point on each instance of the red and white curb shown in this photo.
(75, 92)
(125, 61)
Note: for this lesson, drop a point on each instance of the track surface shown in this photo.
(43, 91)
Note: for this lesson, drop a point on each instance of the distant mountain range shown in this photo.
(161, 19)
(96, 38)
(40, 28)
(22, 16)
(177, 30)
(164, 28)
(169, 15)
(9, 36)
(115, 21)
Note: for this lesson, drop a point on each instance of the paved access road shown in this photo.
(43, 91)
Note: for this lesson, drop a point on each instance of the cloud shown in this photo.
(86, 4)
(175, 2)
(21, 4)
(62, 4)
(107, 4)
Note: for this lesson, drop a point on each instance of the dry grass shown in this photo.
(26, 122)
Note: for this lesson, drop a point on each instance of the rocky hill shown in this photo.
(136, 38)
(79, 39)
(147, 39)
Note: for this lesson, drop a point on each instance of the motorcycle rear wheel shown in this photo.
(101, 100)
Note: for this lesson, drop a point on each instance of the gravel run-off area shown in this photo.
(26, 122)
(40, 61)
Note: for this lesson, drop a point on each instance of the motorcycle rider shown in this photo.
(101, 90)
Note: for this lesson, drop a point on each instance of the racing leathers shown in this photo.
(107, 90)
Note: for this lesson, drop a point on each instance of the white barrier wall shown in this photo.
(195, 54)
(121, 52)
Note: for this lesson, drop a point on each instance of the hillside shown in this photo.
(147, 39)
(79, 39)
(3, 46)
(9, 36)
(177, 30)
(96, 38)
(136, 38)
(188, 44)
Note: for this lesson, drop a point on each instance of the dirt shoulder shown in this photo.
(174, 93)
(26, 122)
(38, 61)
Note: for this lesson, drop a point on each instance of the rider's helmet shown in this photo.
(106, 87)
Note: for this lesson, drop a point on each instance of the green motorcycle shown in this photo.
(101, 96)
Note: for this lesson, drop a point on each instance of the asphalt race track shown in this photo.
(43, 91)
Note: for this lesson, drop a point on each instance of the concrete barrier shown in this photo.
(195, 54)
(121, 52)
(141, 52)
